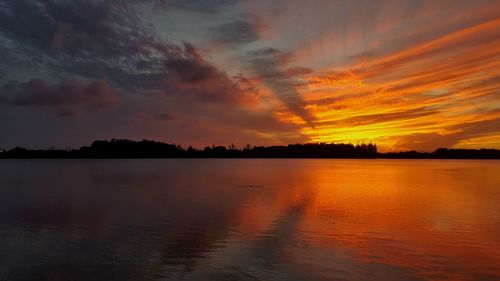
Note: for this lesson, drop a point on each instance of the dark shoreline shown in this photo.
(240, 158)
(127, 149)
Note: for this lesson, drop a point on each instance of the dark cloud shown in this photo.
(107, 39)
(237, 32)
(77, 27)
(67, 99)
(27, 21)
(164, 116)
(268, 64)
(91, 39)
(201, 6)
(190, 76)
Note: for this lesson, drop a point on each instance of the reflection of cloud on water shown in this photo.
(314, 220)
(266, 256)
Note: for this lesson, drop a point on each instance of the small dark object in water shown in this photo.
(250, 186)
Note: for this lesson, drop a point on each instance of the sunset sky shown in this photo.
(405, 75)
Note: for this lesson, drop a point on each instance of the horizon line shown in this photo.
(124, 148)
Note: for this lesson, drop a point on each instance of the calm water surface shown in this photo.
(249, 220)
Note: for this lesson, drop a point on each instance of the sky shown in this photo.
(404, 74)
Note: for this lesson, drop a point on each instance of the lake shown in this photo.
(249, 219)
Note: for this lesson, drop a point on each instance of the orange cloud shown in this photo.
(423, 91)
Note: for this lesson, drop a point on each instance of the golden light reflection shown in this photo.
(421, 216)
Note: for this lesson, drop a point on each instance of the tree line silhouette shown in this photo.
(122, 148)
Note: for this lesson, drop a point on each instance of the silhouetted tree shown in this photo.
(122, 148)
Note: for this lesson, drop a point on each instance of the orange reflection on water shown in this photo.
(429, 219)
(257, 219)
